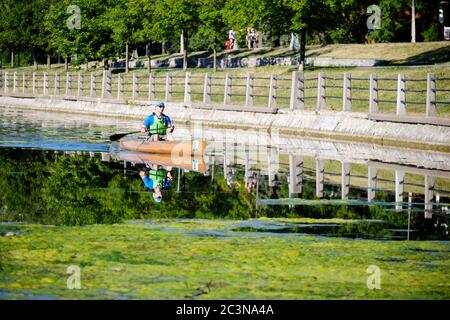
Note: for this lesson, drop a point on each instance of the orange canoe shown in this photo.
(187, 162)
(175, 148)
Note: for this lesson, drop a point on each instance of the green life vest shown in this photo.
(159, 125)
(158, 177)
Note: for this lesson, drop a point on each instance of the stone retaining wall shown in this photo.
(249, 62)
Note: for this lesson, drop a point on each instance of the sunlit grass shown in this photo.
(395, 53)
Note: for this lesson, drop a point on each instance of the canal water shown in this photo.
(61, 169)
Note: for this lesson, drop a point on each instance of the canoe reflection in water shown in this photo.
(158, 172)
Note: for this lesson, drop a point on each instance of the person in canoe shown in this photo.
(158, 125)
(157, 179)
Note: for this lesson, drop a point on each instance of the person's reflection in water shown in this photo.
(230, 177)
(250, 183)
(157, 179)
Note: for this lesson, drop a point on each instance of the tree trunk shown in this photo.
(126, 59)
(148, 53)
(184, 60)
(12, 58)
(49, 62)
(214, 60)
(66, 64)
(1, 58)
(302, 61)
(33, 57)
(182, 42)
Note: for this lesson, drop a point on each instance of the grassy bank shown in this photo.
(415, 96)
(185, 260)
(399, 57)
(393, 53)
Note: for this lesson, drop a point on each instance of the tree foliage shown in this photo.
(107, 25)
(44, 187)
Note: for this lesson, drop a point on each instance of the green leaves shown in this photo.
(107, 25)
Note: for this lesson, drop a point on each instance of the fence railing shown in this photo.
(383, 98)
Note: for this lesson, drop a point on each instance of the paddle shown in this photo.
(119, 136)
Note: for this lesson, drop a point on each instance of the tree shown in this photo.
(175, 18)
(274, 18)
(241, 14)
(312, 16)
(123, 20)
(37, 35)
(92, 40)
(395, 25)
(212, 31)
(145, 11)
(13, 26)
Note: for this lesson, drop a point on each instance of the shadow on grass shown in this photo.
(243, 53)
(440, 55)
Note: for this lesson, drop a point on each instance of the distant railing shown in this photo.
(425, 100)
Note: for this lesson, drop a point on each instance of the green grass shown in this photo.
(397, 54)
(146, 261)
(392, 53)
(284, 74)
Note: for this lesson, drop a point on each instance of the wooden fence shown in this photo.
(401, 99)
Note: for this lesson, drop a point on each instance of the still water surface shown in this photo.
(62, 169)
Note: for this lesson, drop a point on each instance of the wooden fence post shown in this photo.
(249, 90)
(297, 91)
(151, 87)
(93, 86)
(227, 89)
(431, 95)
(429, 184)
(401, 94)
(169, 87)
(320, 171)
(57, 84)
(135, 87)
(373, 94)
(34, 83)
(45, 90)
(6, 83)
(187, 89)
(371, 183)
(120, 86)
(207, 89)
(106, 85)
(321, 92)
(295, 174)
(345, 180)
(80, 84)
(399, 188)
(347, 93)
(68, 84)
(272, 92)
(15, 84)
(25, 83)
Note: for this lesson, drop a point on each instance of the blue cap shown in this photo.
(156, 198)
(160, 104)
